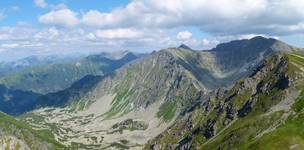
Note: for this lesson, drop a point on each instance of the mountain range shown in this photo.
(51, 74)
(45, 75)
(244, 94)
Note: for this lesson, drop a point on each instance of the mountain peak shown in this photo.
(276, 45)
(258, 43)
(184, 46)
(259, 38)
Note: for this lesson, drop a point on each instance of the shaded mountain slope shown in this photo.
(16, 101)
(64, 97)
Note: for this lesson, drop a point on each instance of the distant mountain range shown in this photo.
(33, 61)
(244, 94)
(48, 76)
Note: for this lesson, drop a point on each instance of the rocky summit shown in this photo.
(244, 94)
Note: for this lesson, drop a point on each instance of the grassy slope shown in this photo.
(243, 133)
(290, 134)
(33, 138)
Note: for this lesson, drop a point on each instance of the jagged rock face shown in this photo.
(265, 88)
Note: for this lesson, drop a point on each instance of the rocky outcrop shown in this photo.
(267, 82)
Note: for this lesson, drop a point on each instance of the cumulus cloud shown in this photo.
(155, 24)
(41, 3)
(118, 34)
(184, 35)
(64, 40)
(95, 18)
(62, 17)
(216, 16)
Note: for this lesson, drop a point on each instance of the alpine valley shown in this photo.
(244, 94)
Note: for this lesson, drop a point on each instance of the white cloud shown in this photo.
(155, 24)
(118, 34)
(206, 42)
(40, 3)
(9, 46)
(222, 17)
(16, 33)
(184, 35)
(29, 40)
(217, 17)
(50, 34)
(95, 18)
(62, 17)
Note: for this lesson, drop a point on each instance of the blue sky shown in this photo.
(28, 11)
(43, 27)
